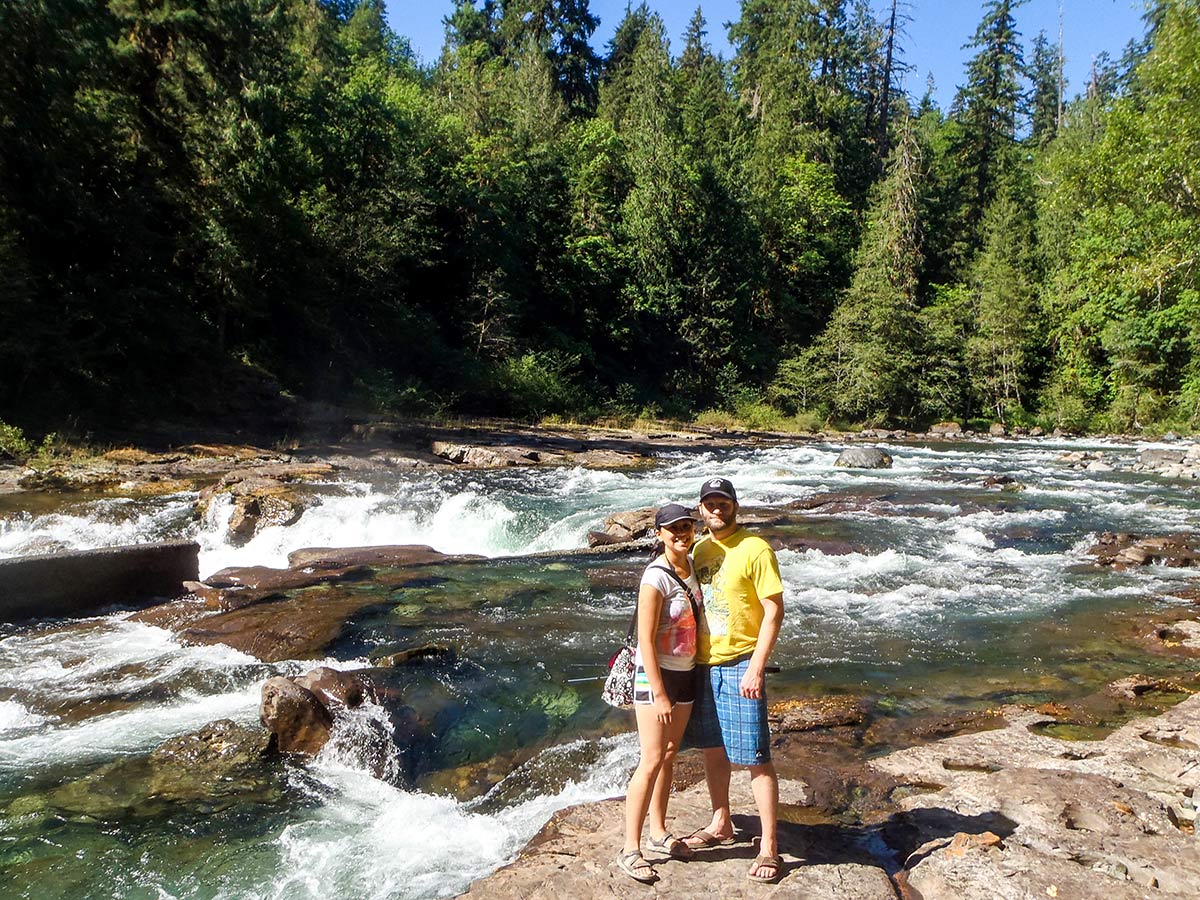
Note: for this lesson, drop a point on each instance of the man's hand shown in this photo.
(752, 684)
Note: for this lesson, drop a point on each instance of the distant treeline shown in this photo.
(204, 201)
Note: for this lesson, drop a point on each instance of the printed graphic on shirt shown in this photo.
(677, 637)
(716, 603)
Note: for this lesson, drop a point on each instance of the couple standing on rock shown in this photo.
(707, 621)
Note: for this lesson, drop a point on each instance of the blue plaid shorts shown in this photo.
(721, 716)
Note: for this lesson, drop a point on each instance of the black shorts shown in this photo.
(680, 686)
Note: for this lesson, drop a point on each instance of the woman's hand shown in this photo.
(662, 709)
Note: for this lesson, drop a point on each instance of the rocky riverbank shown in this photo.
(1010, 812)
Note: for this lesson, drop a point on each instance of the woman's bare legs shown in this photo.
(661, 794)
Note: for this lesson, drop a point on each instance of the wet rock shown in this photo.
(296, 717)
(1156, 459)
(221, 765)
(946, 429)
(804, 714)
(279, 628)
(864, 458)
(631, 525)
(837, 502)
(1124, 550)
(264, 578)
(415, 655)
(93, 476)
(1183, 635)
(1004, 483)
(389, 556)
(335, 688)
(997, 429)
(485, 457)
(1133, 686)
(264, 496)
(780, 539)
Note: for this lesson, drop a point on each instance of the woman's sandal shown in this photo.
(631, 862)
(672, 846)
(766, 862)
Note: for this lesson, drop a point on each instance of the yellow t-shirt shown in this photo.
(734, 574)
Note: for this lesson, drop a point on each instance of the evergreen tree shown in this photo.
(863, 366)
(1043, 100)
(1000, 353)
(988, 106)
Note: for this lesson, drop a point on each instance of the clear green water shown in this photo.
(955, 599)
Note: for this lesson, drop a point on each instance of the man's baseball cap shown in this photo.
(722, 486)
(672, 513)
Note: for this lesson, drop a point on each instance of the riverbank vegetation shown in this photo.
(214, 208)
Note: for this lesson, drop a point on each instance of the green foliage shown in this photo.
(538, 383)
(527, 228)
(14, 445)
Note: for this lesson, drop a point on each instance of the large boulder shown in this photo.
(485, 457)
(864, 458)
(297, 718)
(1156, 459)
(335, 688)
(630, 525)
(946, 429)
(264, 496)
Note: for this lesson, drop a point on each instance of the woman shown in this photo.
(663, 687)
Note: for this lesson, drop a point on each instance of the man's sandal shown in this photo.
(632, 862)
(766, 862)
(672, 846)
(702, 840)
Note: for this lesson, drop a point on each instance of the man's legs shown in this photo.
(764, 783)
(716, 774)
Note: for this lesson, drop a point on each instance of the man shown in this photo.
(743, 609)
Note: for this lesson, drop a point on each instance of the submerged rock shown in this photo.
(1133, 686)
(221, 765)
(864, 458)
(803, 714)
(415, 655)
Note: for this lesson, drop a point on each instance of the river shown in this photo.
(957, 597)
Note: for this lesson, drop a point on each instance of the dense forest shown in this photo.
(207, 206)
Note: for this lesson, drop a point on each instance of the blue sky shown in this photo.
(933, 43)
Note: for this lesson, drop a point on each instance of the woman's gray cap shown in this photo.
(672, 513)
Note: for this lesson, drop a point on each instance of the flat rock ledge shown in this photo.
(1007, 814)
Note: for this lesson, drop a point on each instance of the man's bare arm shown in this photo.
(768, 634)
